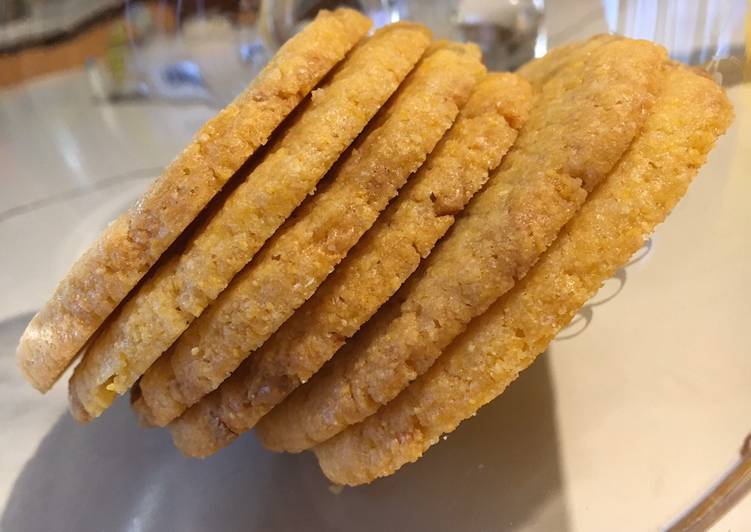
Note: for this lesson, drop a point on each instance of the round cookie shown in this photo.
(647, 183)
(306, 250)
(118, 259)
(372, 271)
(539, 71)
(582, 123)
(180, 289)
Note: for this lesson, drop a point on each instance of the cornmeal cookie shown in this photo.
(654, 174)
(159, 311)
(306, 250)
(391, 250)
(585, 119)
(112, 266)
(539, 71)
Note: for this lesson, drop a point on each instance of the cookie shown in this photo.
(111, 267)
(583, 122)
(539, 71)
(178, 292)
(306, 250)
(691, 113)
(382, 260)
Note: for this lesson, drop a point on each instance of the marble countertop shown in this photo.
(627, 419)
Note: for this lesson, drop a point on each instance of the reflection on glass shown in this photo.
(182, 51)
(208, 51)
(510, 32)
(694, 31)
(280, 19)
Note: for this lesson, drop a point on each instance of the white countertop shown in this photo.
(620, 427)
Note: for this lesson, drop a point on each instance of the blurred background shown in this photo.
(97, 96)
(207, 50)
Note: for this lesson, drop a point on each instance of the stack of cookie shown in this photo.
(373, 240)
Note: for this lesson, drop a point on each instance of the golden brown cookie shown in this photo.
(179, 290)
(539, 71)
(653, 175)
(388, 253)
(112, 266)
(585, 119)
(306, 249)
